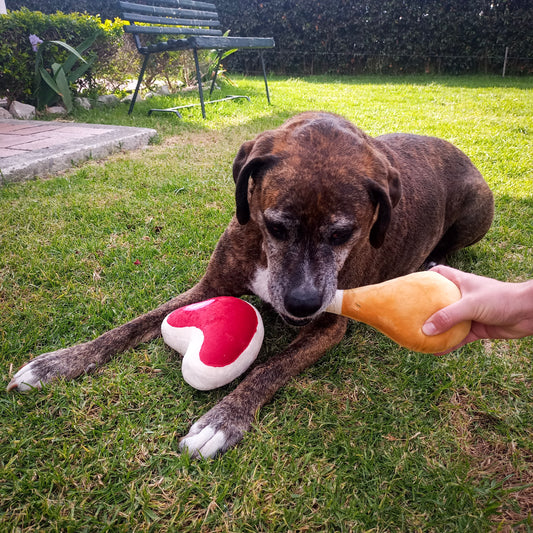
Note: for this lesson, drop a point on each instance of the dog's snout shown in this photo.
(303, 302)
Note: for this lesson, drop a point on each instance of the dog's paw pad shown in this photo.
(203, 442)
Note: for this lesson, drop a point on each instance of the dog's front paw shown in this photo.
(218, 430)
(68, 363)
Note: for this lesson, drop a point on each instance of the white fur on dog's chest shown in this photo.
(259, 284)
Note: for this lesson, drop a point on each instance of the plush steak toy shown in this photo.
(218, 338)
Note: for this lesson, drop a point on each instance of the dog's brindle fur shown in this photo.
(320, 206)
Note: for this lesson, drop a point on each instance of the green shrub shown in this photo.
(105, 9)
(117, 64)
(117, 59)
(17, 59)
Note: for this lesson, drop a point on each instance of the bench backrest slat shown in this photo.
(169, 30)
(132, 17)
(195, 4)
(167, 12)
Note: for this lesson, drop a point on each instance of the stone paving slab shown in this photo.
(29, 148)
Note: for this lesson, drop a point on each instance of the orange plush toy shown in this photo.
(400, 307)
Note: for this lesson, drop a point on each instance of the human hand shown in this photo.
(498, 310)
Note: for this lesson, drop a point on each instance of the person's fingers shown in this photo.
(447, 317)
(448, 272)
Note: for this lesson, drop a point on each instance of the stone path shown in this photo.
(30, 148)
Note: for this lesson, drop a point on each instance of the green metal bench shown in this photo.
(195, 26)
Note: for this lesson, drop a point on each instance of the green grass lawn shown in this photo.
(372, 438)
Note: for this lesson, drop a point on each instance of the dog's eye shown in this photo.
(277, 230)
(340, 236)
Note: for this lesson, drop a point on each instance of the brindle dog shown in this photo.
(320, 206)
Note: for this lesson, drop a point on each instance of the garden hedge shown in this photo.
(352, 36)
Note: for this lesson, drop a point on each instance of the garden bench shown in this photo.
(194, 26)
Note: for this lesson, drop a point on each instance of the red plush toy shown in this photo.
(218, 338)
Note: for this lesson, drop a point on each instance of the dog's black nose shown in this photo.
(303, 301)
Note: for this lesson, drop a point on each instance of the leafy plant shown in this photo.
(214, 68)
(56, 81)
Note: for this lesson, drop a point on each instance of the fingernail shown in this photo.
(429, 328)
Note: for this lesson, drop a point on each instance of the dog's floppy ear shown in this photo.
(384, 201)
(253, 168)
(252, 159)
(241, 157)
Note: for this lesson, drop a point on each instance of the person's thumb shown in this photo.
(442, 320)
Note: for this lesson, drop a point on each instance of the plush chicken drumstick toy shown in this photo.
(218, 338)
(400, 307)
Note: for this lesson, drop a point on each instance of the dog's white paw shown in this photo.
(67, 363)
(203, 442)
(25, 379)
(218, 430)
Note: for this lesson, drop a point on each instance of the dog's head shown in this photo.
(320, 192)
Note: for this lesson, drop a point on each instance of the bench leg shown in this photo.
(139, 81)
(265, 77)
(199, 79)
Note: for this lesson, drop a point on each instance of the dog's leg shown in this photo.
(225, 424)
(71, 362)
(472, 217)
